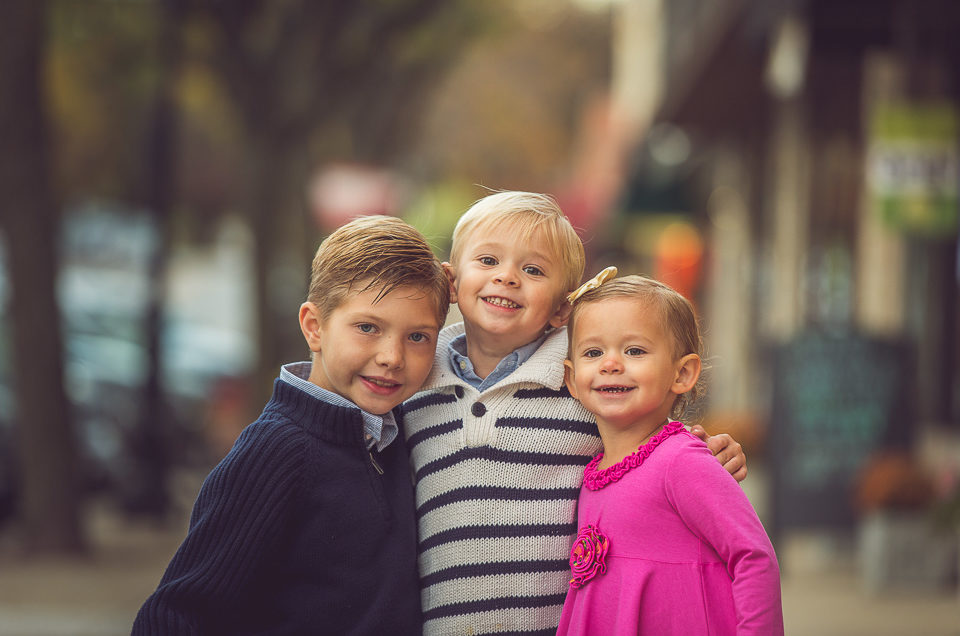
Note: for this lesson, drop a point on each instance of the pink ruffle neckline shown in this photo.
(594, 479)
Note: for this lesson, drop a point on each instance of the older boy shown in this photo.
(307, 526)
(497, 443)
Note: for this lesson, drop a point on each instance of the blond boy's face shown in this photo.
(375, 354)
(509, 290)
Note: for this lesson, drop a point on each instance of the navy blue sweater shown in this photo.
(298, 530)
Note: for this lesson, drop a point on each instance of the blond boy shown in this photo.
(497, 443)
(307, 526)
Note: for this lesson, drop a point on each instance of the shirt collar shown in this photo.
(379, 430)
(508, 364)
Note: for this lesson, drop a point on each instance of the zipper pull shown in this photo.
(374, 462)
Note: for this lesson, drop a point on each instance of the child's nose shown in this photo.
(506, 276)
(390, 353)
(611, 364)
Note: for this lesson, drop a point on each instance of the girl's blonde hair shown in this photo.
(526, 213)
(675, 313)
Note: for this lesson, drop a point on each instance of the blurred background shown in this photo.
(168, 167)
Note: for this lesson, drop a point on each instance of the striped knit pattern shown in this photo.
(497, 478)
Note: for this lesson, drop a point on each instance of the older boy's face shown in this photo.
(508, 289)
(376, 354)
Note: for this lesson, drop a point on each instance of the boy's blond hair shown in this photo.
(526, 213)
(375, 252)
(676, 315)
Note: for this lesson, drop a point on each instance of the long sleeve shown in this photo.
(242, 506)
(713, 506)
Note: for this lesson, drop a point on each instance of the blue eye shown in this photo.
(419, 337)
(635, 351)
(592, 353)
(366, 327)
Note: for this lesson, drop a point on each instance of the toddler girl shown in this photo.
(668, 543)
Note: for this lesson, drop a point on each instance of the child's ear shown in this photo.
(688, 372)
(562, 315)
(568, 377)
(452, 277)
(310, 325)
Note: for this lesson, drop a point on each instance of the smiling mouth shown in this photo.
(387, 384)
(501, 302)
(614, 389)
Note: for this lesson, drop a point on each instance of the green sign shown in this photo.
(913, 168)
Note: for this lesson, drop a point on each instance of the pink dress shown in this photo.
(669, 544)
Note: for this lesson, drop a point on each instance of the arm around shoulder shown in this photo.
(727, 451)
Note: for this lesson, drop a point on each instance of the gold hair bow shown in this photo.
(593, 283)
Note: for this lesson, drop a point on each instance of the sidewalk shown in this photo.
(823, 595)
(94, 596)
(99, 596)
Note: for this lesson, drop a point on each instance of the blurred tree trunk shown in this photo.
(50, 500)
(146, 493)
(269, 197)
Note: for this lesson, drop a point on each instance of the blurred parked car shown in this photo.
(104, 288)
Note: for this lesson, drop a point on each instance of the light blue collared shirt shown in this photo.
(464, 368)
(379, 430)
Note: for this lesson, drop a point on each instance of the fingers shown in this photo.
(727, 450)
(730, 454)
(737, 466)
(723, 447)
(700, 432)
(741, 474)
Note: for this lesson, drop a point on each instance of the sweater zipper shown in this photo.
(374, 462)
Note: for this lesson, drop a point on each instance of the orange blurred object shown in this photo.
(678, 258)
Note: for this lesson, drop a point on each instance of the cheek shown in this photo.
(349, 355)
(583, 381)
(419, 363)
(582, 378)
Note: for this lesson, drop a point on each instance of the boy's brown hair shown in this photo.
(375, 252)
(676, 315)
(526, 213)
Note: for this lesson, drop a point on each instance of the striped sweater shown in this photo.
(497, 478)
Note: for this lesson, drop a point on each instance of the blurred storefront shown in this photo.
(812, 145)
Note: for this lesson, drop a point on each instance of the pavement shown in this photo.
(98, 595)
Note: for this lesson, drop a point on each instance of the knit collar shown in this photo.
(331, 423)
(541, 368)
(379, 430)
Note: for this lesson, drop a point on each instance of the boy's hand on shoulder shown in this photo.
(727, 451)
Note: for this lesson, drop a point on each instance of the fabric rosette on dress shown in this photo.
(587, 557)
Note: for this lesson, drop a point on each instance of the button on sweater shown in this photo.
(298, 530)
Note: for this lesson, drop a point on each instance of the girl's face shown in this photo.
(622, 366)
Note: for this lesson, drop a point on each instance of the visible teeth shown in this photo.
(381, 382)
(501, 302)
(614, 389)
